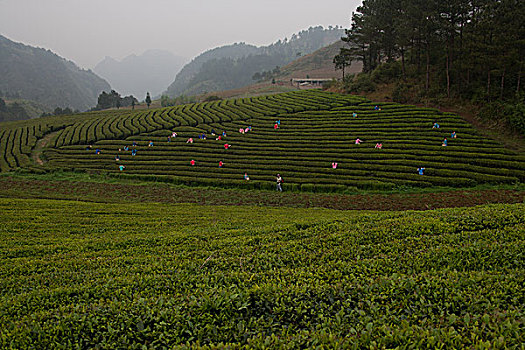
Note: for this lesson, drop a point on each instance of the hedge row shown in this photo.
(316, 128)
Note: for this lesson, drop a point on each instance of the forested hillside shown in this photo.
(20, 110)
(455, 52)
(475, 49)
(233, 66)
(42, 76)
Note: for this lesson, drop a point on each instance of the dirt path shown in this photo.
(40, 145)
(20, 187)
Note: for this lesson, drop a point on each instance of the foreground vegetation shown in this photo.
(83, 275)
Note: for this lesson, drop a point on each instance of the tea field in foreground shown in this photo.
(317, 128)
(147, 275)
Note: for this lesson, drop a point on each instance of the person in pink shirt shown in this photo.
(379, 145)
(358, 141)
(334, 165)
(241, 130)
(190, 140)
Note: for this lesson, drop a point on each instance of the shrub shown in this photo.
(511, 113)
(401, 92)
(387, 73)
(330, 84)
(515, 116)
(212, 98)
(361, 82)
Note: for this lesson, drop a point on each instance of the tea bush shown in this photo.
(107, 276)
(317, 128)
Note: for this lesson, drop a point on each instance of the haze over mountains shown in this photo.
(233, 66)
(135, 75)
(40, 75)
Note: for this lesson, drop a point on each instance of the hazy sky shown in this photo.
(86, 31)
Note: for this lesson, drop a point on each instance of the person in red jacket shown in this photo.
(220, 164)
(226, 146)
(192, 162)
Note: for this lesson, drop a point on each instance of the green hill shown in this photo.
(233, 66)
(39, 75)
(318, 64)
(21, 110)
(317, 128)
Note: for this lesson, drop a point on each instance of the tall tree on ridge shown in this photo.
(342, 60)
(148, 99)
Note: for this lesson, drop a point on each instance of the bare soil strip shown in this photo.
(40, 145)
(125, 193)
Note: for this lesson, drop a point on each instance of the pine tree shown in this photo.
(148, 100)
(342, 60)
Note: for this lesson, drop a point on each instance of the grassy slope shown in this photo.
(259, 89)
(127, 275)
(318, 64)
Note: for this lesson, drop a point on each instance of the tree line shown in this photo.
(114, 100)
(13, 111)
(471, 49)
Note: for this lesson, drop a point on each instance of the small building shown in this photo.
(300, 82)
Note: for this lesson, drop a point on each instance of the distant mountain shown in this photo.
(318, 64)
(190, 70)
(233, 66)
(40, 75)
(135, 75)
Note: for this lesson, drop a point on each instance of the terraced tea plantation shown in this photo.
(132, 276)
(316, 130)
